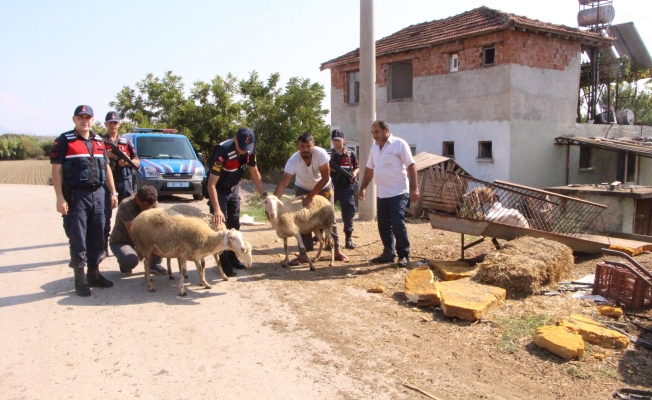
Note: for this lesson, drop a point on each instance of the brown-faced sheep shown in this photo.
(291, 219)
(157, 232)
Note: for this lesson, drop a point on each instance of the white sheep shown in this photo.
(192, 211)
(156, 232)
(509, 216)
(291, 219)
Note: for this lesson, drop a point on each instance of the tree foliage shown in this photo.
(637, 99)
(213, 111)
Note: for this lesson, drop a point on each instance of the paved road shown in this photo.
(125, 342)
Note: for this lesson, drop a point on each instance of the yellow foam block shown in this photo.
(560, 341)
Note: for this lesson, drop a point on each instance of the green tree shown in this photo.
(155, 103)
(210, 115)
(638, 100)
(278, 117)
(213, 111)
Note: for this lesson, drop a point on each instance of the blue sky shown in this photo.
(55, 55)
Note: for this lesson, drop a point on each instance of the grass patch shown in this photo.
(578, 373)
(516, 329)
(254, 208)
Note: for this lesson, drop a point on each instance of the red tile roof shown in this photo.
(478, 21)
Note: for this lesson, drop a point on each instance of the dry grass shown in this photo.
(525, 264)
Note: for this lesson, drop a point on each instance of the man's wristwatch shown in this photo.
(263, 195)
(114, 194)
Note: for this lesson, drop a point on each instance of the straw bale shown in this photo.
(525, 264)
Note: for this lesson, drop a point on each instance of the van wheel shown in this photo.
(197, 197)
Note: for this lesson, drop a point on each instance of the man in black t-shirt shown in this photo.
(228, 163)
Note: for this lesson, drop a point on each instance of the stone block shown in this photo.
(560, 341)
(420, 287)
(468, 300)
(595, 333)
(453, 270)
(609, 311)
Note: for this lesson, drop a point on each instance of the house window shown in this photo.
(488, 56)
(452, 67)
(400, 81)
(448, 149)
(484, 150)
(585, 157)
(413, 149)
(354, 87)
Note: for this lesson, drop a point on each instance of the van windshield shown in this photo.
(164, 147)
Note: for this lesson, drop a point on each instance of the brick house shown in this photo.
(490, 89)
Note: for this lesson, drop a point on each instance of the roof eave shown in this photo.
(584, 39)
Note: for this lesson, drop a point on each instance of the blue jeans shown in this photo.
(391, 224)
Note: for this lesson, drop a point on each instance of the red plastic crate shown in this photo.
(622, 286)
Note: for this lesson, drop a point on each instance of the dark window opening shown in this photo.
(413, 149)
(448, 149)
(488, 56)
(354, 87)
(400, 80)
(585, 157)
(626, 163)
(484, 150)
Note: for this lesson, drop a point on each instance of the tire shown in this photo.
(197, 197)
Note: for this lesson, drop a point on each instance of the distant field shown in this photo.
(26, 172)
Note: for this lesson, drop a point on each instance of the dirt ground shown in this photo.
(290, 333)
(27, 172)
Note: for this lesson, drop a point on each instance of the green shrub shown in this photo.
(9, 147)
(46, 146)
(30, 147)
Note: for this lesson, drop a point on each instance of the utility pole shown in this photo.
(367, 208)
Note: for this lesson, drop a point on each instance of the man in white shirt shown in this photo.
(310, 165)
(392, 158)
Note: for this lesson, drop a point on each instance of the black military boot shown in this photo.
(226, 265)
(81, 285)
(233, 259)
(95, 279)
(349, 243)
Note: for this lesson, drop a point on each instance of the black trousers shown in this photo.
(229, 200)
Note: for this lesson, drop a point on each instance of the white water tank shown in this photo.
(625, 117)
(596, 15)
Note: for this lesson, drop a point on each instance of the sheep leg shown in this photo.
(182, 274)
(200, 271)
(148, 262)
(170, 269)
(302, 251)
(286, 262)
(320, 238)
(328, 239)
(219, 267)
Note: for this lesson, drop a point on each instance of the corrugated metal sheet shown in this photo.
(629, 43)
(639, 147)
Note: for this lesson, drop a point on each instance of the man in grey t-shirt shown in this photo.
(310, 165)
(122, 246)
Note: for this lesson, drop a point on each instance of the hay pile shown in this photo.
(525, 264)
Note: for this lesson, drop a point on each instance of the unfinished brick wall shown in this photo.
(515, 47)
